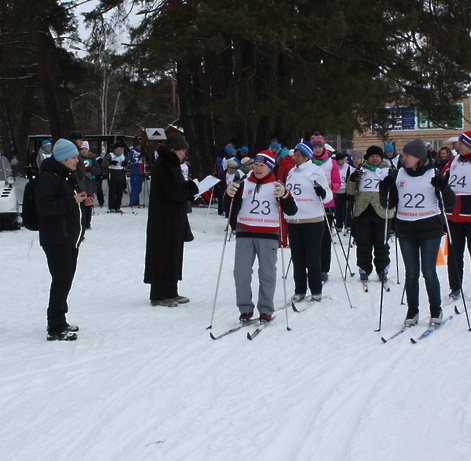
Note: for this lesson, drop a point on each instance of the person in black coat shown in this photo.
(167, 224)
(417, 190)
(60, 214)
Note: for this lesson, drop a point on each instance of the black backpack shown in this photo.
(29, 211)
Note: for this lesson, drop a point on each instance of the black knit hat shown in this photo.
(374, 150)
(416, 148)
(177, 142)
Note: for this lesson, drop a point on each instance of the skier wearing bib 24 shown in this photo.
(416, 190)
(255, 205)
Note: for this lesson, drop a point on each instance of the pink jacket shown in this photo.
(331, 170)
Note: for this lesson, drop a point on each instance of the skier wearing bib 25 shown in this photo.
(255, 205)
(416, 190)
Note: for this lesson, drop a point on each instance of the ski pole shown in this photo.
(385, 244)
(287, 269)
(403, 292)
(397, 262)
(222, 259)
(455, 261)
(335, 250)
(343, 249)
(280, 241)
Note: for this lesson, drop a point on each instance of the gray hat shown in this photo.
(416, 148)
(357, 153)
(231, 163)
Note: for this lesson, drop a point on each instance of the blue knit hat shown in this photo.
(388, 147)
(229, 150)
(64, 150)
(305, 148)
(244, 150)
(46, 143)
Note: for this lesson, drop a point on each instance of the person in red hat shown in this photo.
(458, 173)
(256, 211)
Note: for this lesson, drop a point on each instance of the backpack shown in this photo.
(29, 211)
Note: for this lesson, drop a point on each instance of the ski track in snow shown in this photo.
(147, 383)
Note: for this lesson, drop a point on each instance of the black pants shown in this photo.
(461, 237)
(116, 187)
(340, 210)
(326, 248)
(369, 236)
(163, 290)
(62, 263)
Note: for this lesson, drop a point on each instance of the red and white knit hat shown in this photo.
(267, 157)
(317, 139)
(465, 138)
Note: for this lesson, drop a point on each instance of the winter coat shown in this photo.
(364, 199)
(284, 167)
(60, 216)
(420, 229)
(167, 222)
(331, 170)
(137, 161)
(92, 171)
(461, 211)
(288, 206)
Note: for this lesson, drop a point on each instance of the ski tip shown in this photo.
(212, 336)
(457, 311)
(413, 341)
(249, 336)
(294, 306)
(384, 340)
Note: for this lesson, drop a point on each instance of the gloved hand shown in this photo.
(355, 176)
(320, 191)
(280, 190)
(439, 182)
(124, 163)
(114, 162)
(387, 183)
(232, 188)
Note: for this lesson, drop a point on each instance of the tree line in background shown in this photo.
(247, 70)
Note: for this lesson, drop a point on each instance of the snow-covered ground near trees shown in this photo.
(148, 383)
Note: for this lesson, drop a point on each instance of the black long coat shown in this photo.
(167, 221)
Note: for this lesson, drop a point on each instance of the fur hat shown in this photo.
(305, 148)
(177, 142)
(416, 148)
(64, 149)
(267, 157)
(85, 145)
(374, 150)
(74, 135)
(465, 138)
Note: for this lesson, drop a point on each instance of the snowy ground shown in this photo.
(148, 383)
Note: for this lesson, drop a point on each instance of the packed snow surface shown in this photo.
(148, 383)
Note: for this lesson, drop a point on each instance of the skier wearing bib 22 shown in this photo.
(416, 190)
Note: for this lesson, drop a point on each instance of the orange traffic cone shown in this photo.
(445, 246)
(440, 259)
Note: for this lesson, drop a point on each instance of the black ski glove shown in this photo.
(114, 162)
(386, 183)
(320, 191)
(355, 176)
(439, 182)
